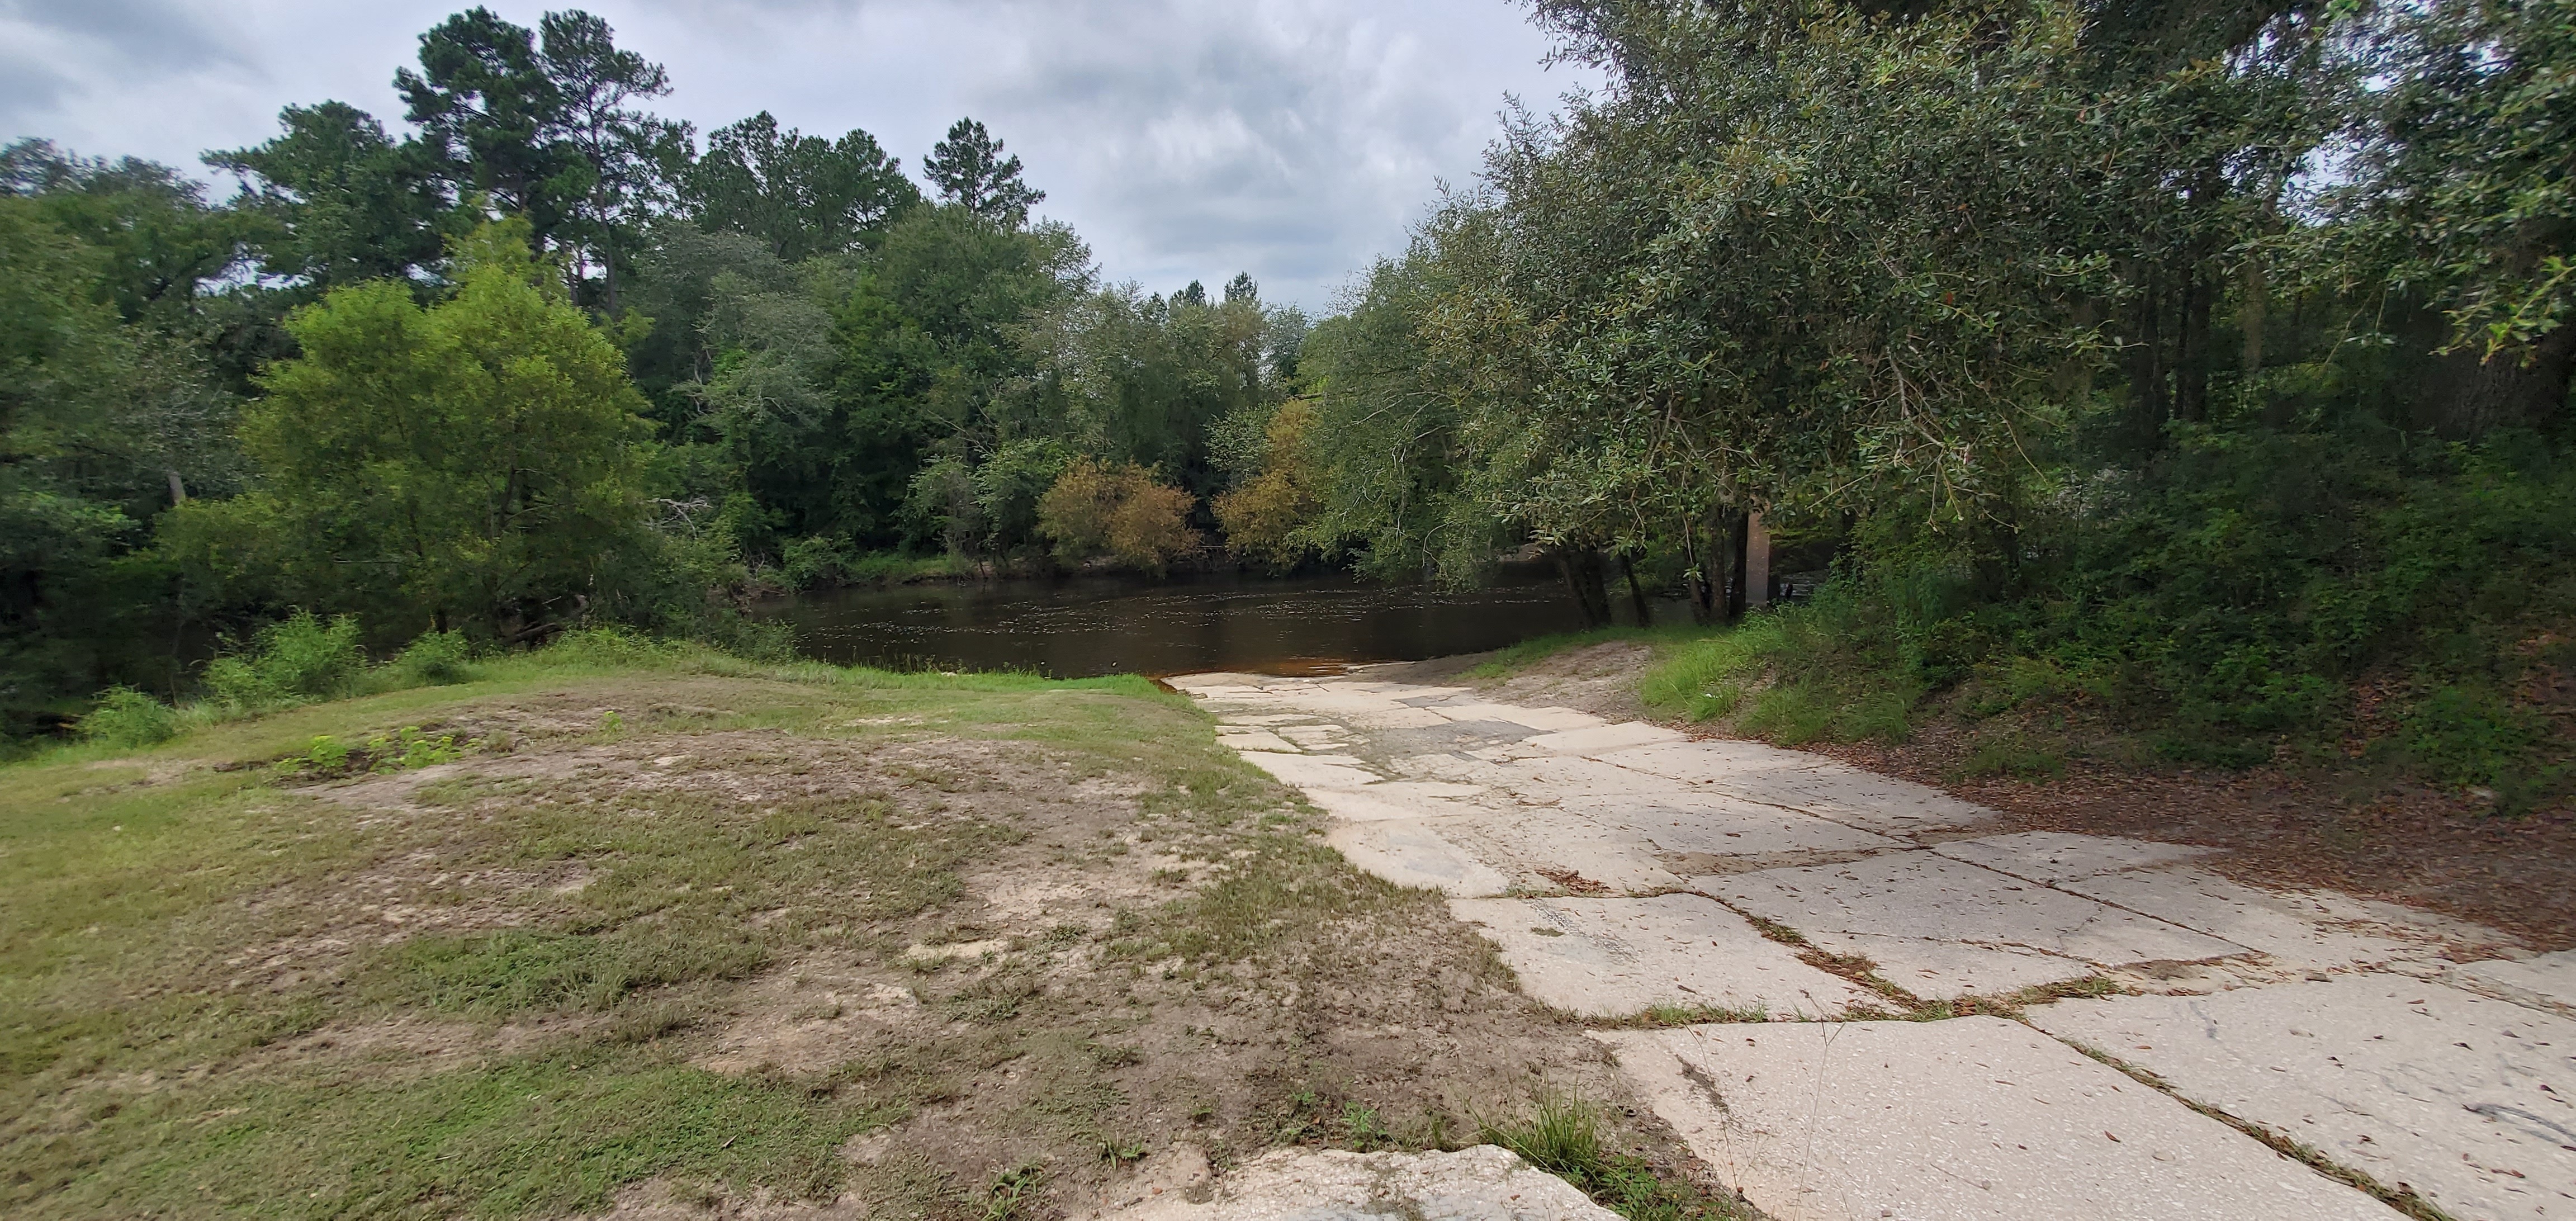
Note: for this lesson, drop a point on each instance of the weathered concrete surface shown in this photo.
(1646, 852)
(1938, 927)
(1612, 957)
(2469, 1101)
(2545, 981)
(2298, 931)
(1413, 853)
(1484, 1183)
(2051, 857)
(1971, 1118)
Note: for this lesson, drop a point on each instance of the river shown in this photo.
(1078, 627)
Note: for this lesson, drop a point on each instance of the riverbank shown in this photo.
(671, 931)
(2346, 820)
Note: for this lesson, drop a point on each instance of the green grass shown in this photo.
(149, 1064)
(1786, 674)
(1564, 1135)
(1512, 659)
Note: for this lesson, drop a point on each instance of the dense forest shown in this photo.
(2195, 364)
(544, 358)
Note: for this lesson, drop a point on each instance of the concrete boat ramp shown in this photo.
(1861, 998)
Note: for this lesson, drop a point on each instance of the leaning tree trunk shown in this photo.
(1636, 596)
(1581, 568)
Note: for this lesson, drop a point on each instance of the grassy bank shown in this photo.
(622, 921)
(1845, 668)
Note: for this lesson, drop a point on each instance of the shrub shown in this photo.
(302, 658)
(808, 562)
(1263, 518)
(127, 717)
(1120, 511)
(434, 660)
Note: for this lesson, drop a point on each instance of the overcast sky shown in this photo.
(1295, 139)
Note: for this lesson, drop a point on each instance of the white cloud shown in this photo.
(1294, 139)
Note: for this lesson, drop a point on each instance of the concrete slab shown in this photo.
(1484, 1183)
(1216, 680)
(1619, 957)
(1943, 928)
(1708, 760)
(1863, 799)
(1711, 829)
(2314, 929)
(1315, 737)
(1600, 738)
(2469, 1101)
(1554, 779)
(1552, 720)
(2056, 856)
(1362, 805)
(2547, 981)
(1548, 848)
(1335, 771)
(1971, 1118)
(1413, 853)
(1253, 739)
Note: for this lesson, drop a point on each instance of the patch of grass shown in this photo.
(1512, 659)
(176, 918)
(1669, 1014)
(1014, 1192)
(1563, 1135)
(2009, 755)
(1785, 674)
(538, 1135)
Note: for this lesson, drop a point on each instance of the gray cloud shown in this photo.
(1294, 139)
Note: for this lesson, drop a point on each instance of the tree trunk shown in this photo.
(1757, 561)
(2507, 391)
(1702, 578)
(1636, 596)
(2191, 357)
(1739, 545)
(1583, 582)
(2146, 365)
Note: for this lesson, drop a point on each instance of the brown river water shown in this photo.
(1078, 627)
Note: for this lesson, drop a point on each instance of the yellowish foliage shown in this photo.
(1262, 517)
(1121, 511)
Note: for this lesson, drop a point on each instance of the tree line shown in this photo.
(2199, 364)
(536, 356)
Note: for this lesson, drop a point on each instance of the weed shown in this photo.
(2009, 756)
(404, 749)
(1119, 1150)
(1014, 1192)
(435, 659)
(303, 658)
(127, 717)
(994, 998)
(1669, 1014)
(1117, 1055)
(1361, 1129)
(1563, 1136)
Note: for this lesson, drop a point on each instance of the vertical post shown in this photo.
(1757, 561)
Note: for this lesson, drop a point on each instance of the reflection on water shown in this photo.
(1080, 627)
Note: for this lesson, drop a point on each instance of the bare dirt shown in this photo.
(1120, 978)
